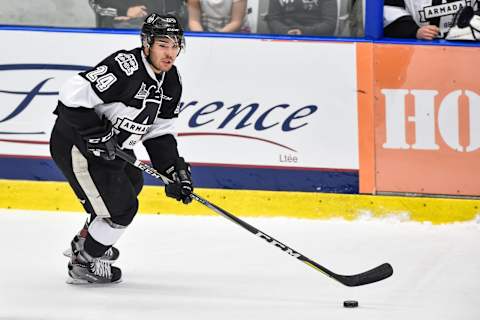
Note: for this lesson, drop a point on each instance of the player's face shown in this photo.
(163, 53)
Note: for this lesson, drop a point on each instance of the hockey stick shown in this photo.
(376, 274)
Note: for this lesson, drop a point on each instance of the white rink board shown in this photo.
(309, 85)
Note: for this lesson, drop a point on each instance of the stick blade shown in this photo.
(376, 274)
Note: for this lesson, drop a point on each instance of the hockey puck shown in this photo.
(350, 303)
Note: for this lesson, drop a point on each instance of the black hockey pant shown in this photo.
(107, 189)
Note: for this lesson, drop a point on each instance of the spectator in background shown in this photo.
(302, 17)
(357, 19)
(217, 15)
(130, 14)
(420, 19)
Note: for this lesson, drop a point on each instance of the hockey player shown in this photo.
(420, 19)
(129, 97)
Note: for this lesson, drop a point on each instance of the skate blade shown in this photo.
(81, 282)
(73, 281)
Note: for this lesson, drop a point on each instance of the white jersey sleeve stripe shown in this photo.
(77, 92)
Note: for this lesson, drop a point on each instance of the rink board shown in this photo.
(315, 124)
(419, 119)
(209, 176)
(267, 121)
(57, 196)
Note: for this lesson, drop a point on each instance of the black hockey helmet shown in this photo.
(156, 26)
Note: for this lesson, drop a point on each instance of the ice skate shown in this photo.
(84, 269)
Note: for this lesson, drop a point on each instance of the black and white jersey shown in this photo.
(123, 88)
(424, 12)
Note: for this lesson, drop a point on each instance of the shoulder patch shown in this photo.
(127, 62)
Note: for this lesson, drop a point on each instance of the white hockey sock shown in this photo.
(105, 231)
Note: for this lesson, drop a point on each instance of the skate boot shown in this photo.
(110, 256)
(84, 269)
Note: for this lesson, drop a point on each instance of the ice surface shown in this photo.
(209, 268)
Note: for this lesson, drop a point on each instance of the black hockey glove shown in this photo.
(182, 186)
(103, 143)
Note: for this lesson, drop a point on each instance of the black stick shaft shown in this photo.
(379, 273)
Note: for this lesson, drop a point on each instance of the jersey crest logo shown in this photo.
(142, 92)
(127, 63)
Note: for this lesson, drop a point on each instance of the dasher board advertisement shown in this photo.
(247, 103)
(427, 120)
